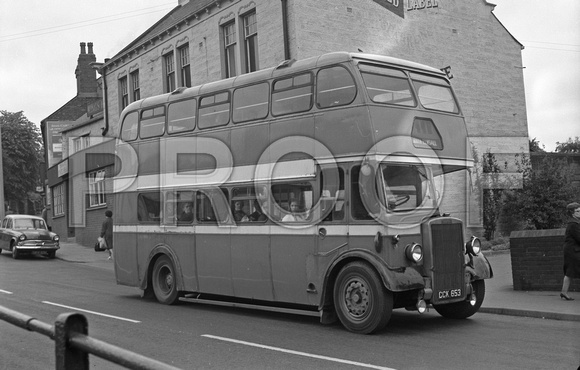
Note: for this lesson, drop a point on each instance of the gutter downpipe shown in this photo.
(100, 67)
(285, 29)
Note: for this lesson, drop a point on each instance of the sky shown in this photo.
(39, 47)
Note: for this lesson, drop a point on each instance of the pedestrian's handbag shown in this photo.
(100, 245)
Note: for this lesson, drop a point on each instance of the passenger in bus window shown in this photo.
(186, 214)
(239, 214)
(258, 214)
(294, 214)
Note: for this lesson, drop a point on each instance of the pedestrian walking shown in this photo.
(571, 249)
(107, 232)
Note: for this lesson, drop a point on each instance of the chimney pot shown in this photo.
(90, 44)
(83, 51)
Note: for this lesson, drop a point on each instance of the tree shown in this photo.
(570, 146)
(541, 202)
(535, 146)
(21, 155)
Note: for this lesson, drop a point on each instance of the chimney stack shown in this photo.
(86, 75)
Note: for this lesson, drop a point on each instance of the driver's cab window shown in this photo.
(406, 186)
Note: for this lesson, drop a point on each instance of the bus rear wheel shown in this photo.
(464, 309)
(164, 281)
(362, 303)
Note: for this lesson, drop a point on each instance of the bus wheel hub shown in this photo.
(356, 298)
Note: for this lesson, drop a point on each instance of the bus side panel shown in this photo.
(248, 142)
(183, 245)
(353, 124)
(302, 126)
(251, 273)
(213, 258)
(125, 252)
(146, 241)
(290, 250)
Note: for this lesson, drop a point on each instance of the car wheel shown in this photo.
(464, 309)
(164, 281)
(51, 254)
(15, 253)
(362, 302)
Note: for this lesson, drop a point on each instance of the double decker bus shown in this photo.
(313, 185)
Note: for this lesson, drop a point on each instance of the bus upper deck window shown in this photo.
(251, 102)
(335, 86)
(292, 95)
(434, 93)
(214, 110)
(152, 122)
(388, 86)
(129, 128)
(181, 116)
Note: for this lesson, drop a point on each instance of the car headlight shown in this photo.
(473, 246)
(414, 252)
(22, 238)
(56, 238)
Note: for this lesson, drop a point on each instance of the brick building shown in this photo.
(200, 41)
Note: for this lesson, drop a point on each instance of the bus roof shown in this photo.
(285, 68)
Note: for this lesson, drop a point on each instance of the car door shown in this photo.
(4, 237)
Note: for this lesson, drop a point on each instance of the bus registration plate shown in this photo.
(449, 294)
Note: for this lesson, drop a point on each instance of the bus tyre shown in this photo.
(362, 303)
(464, 309)
(164, 281)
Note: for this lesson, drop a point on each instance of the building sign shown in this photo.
(421, 4)
(54, 144)
(62, 168)
(395, 6)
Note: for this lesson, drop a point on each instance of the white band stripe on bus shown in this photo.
(298, 353)
(91, 312)
(247, 230)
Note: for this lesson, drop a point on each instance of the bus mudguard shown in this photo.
(158, 250)
(478, 267)
(395, 279)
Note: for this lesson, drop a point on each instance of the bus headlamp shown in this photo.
(414, 252)
(473, 246)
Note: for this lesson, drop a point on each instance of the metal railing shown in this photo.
(73, 344)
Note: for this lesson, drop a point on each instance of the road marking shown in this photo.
(5, 292)
(333, 359)
(93, 312)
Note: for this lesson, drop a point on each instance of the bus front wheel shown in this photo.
(164, 281)
(362, 302)
(464, 309)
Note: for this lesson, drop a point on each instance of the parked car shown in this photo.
(22, 234)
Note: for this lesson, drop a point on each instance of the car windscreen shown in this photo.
(27, 223)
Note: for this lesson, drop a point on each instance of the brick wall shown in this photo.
(537, 259)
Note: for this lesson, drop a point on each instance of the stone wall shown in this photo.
(537, 260)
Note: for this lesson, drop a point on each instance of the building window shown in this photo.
(97, 188)
(58, 194)
(123, 92)
(169, 72)
(135, 85)
(81, 142)
(229, 31)
(185, 73)
(251, 42)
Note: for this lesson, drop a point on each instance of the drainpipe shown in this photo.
(99, 67)
(285, 29)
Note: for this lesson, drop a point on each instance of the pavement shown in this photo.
(500, 297)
